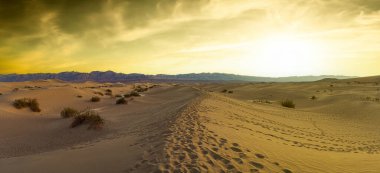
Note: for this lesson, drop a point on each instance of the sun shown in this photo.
(287, 54)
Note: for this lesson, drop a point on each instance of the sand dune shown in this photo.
(194, 128)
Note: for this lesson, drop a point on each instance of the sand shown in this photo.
(194, 128)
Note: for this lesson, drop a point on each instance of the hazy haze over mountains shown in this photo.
(110, 76)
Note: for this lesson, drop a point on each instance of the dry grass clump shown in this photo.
(121, 101)
(132, 94)
(95, 99)
(88, 117)
(288, 103)
(99, 93)
(69, 112)
(109, 92)
(141, 89)
(27, 102)
(226, 91)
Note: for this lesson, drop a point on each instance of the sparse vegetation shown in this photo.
(88, 117)
(288, 103)
(109, 92)
(313, 97)
(118, 95)
(141, 89)
(121, 101)
(224, 91)
(34, 105)
(230, 92)
(99, 93)
(27, 102)
(1, 94)
(95, 99)
(79, 96)
(69, 112)
(15, 89)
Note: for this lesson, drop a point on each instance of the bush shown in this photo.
(35, 106)
(88, 117)
(27, 102)
(135, 94)
(79, 96)
(121, 101)
(313, 97)
(99, 93)
(230, 92)
(224, 91)
(95, 99)
(288, 103)
(140, 89)
(68, 112)
(109, 92)
(21, 103)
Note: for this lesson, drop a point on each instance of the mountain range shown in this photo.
(110, 76)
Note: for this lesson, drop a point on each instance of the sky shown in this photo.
(248, 37)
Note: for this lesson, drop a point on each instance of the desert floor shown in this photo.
(194, 128)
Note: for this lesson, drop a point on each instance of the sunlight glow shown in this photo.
(288, 54)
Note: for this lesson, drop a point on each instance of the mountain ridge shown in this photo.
(110, 76)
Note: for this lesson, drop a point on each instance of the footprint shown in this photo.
(260, 156)
(235, 149)
(238, 160)
(257, 165)
(287, 171)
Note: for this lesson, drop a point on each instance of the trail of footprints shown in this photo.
(193, 148)
(312, 138)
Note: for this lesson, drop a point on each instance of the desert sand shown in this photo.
(194, 128)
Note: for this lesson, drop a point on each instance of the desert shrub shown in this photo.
(34, 105)
(27, 102)
(109, 92)
(79, 96)
(21, 103)
(127, 95)
(230, 92)
(121, 101)
(1, 94)
(118, 95)
(224, 91)
(135, 94)
(140, 89)
(288, 103)
(68, 112)
(99, 93)
(313, 97)
(88, 117)
(95, 99)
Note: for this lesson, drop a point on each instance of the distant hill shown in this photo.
(110, 76)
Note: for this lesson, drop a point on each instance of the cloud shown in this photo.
(54, 35)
